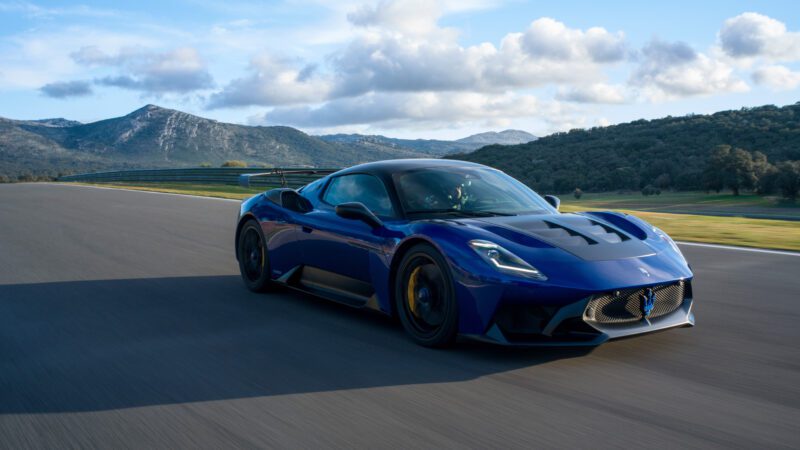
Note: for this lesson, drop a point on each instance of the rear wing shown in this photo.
(244, 179)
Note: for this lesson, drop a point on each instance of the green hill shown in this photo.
(632, 155)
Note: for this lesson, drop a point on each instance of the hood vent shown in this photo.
(580, 231)
(563, 236)
(582, 236)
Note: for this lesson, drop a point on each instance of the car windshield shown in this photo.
(475, 191)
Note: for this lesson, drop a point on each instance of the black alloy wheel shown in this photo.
(253, 258)
(425, 297)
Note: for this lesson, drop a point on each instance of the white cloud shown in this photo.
(180, 70)
(273, 82)
(756, 35)
(429, 111)
(65, 89)
(671, 70)
(547, 38)
(399, 47)
(547, 52)
(593, 93)
(410, 17)
(779, 78)
(429, 107)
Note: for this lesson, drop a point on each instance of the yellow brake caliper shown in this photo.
(411, 290)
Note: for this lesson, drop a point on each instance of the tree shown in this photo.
(663, 181)
(234, 163)
(741, 171)
(733, 168)
(4, 178)
(767, 181)
(788, 179)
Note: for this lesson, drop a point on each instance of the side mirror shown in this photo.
(357, 211)
(554, 201)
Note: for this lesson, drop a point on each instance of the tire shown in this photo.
(253, 258)
(425, 297)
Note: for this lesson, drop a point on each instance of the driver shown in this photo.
(451, 194)
(457, 197)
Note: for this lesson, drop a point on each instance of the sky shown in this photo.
(402, 68)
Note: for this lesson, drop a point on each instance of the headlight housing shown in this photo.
(505, 261)
(664, 236)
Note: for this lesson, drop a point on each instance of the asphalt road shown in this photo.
(123, 324)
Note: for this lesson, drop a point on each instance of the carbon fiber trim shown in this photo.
(625, 306)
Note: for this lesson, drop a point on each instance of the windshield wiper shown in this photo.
(471, 213)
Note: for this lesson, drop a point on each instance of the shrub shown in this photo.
(234, 163)
(577, 193)
(650, 190)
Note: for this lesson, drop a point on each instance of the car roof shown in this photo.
(393, 166)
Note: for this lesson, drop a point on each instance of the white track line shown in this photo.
(741, 249)
(692, 244)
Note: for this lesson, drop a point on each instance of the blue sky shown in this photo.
(406, 68)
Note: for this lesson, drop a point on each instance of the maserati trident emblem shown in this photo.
(648, 301)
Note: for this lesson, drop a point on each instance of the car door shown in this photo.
(344, 246)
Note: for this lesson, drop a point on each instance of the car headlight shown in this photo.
(505, 261)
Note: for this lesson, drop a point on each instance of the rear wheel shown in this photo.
(253, 258)
(425, 297)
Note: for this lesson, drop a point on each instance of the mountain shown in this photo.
(160, 137)
(23, 151)
(432, 147)
(673, 150)
(507, 137)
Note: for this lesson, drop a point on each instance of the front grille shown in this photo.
(625, 306)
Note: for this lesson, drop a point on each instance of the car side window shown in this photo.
(362, 188)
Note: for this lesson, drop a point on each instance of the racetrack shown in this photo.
(123, 323)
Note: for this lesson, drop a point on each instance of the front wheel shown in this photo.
(253, 258)
(425, 297)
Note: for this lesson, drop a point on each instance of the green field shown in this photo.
(752, 206)
(692, 217)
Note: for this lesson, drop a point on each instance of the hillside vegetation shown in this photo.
(630, 156)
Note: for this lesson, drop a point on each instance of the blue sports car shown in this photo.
(460, 249)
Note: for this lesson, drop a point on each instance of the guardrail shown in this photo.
(256, 177)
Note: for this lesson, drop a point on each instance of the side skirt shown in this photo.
(331, 286)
